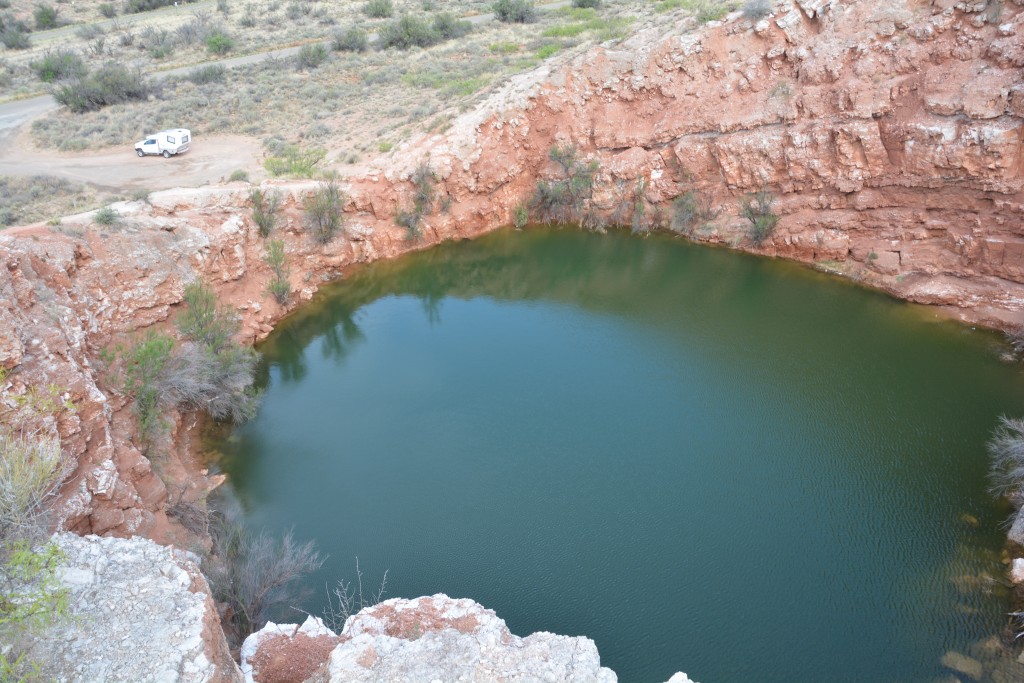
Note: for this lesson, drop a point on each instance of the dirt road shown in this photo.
(119, 170)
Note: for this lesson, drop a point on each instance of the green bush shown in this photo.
(520, 216)
(378, 9)
(45, 17)
(58, 66)
(592, 4)
(515, 11)
(279, 286)
(691, 212)
(143, 372)
(324, 209)
(311, 56)
(204, 321)
(407, 32)
(352, 40)
(208, 73)
(15, 38)
(106, 216)
(264, 209)
(111, 84)
(288, 159)
(422, 201)
(30, 471)
(757, 208)
(107, 9)
(136, 6)
(447, 27)
(219, 43)
(567, 199)
(239, 174)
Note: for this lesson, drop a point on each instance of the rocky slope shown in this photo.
(139, 613)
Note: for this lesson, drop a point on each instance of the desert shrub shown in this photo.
(31, 467)
(264, 209)
(215, 379)
(59, 65)
(757, 208)
(255, 574)
(422, 201)
(110, 84)
(279, 286)
(15, 38)
(351, 40)
(144, 368)
(208, 73)
(45, 17)
(323, 209)
(520, 216)
(219, 43)
(378, 9)
(592, 4)
(203, 320)
(566, 199)
(1006, 448)
(106, 216)
(311, 56)
(136, 6)
(108, 10)
(447, 27)
(690, 212)
(239, 174)
(515, 11)
(757, 9)
(347, 599)
(288, 159)
(406, 32)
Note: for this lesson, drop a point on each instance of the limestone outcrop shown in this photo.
(139, 613)
(433, 638)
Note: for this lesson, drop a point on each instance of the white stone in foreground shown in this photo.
(140, 613)
(440, 638)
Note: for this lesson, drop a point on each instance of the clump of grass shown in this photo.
(515, 11)
(312, 56)
(239, 174)
(279, 286)
(758, 209)
(219, 43)
(45, 17)
(106, 216)
(378, 9)
(545, 51)
(289, 159)
(520, 216)
(324, 209)
(264, 209)
(1006, 448)
(351, 40)
(58, 65)
(208, 73)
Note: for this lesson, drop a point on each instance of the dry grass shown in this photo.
(30, 199)
(354, 104)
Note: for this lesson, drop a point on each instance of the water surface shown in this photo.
(702, 460)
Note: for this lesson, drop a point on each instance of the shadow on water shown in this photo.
(703, 460)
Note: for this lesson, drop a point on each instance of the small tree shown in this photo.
(757, 208)
(515, 11)
(46, 17)
(203, 320)
(264, 209)
(324, 211)
(279, 287)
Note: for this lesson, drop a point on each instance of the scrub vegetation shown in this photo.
(758, 209)
(422, 201)
(207, 371)
(32, 467)
(566, 199)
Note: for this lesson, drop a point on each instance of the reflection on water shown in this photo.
(700, 459)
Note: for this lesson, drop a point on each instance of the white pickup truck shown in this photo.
(166, 142)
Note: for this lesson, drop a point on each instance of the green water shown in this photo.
(703, 460)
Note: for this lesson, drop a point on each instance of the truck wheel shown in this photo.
(140, 152)
(167, 155)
